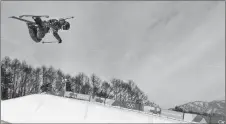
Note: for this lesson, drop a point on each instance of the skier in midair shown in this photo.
(38, 32)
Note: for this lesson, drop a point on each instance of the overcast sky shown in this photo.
(174, 51)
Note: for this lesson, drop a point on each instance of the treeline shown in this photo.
(20, 79)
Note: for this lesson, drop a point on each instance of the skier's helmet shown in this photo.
(66, 26)
(62, 21)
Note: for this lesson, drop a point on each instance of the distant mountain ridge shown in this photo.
(216, 107)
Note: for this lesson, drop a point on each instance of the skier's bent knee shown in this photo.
(40, 33)
(38, 40)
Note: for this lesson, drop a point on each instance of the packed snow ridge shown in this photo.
(44, 108)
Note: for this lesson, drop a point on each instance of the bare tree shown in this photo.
(116, 83)
(85, 88)
(59, 85)
(95, 84)
(15, 70)
(36, 82)
(6, 78)
(28, 78)
(51, 77)
(44, 74)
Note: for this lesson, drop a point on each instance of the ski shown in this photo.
(49, 42)
(46, 16)
(14, 17)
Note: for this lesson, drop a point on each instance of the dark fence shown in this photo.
(217, 119)
(129, 105)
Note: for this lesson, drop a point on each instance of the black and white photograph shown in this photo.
(113, 62)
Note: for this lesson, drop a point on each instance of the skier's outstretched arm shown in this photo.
(56, 35)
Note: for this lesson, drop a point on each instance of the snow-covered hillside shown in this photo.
(213, 107)
(43, 108)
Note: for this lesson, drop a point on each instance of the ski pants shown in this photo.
(36, 32)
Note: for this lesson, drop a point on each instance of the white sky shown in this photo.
(174, 51)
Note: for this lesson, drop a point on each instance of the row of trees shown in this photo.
(20, 79)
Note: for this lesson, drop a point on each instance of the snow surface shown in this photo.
(43, 108)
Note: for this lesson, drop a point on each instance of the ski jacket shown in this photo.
(54, 25)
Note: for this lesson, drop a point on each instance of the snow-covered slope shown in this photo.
(43, 108)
